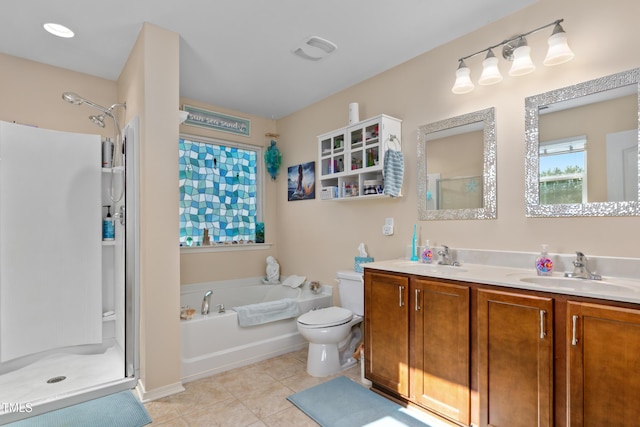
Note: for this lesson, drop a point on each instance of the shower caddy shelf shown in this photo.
(353, 156)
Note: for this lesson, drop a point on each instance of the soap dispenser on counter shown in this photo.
(544, 265)
(427, 254)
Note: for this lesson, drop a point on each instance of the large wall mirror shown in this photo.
(457, 167)
(582, 149)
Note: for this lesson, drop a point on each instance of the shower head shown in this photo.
(73, 98)
(98, 120)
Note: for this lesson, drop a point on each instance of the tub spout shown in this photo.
(206, 302)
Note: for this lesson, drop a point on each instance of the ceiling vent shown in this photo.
(315, 48)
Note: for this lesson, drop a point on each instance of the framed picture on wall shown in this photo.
(301, 181)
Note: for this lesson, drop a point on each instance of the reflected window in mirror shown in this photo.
(456, 168)
(563, 171)
(582, 149)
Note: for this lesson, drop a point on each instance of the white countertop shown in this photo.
(609, 288)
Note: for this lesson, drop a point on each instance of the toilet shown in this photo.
(334, 332)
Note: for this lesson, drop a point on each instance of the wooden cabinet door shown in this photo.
(387, 331)
(515, 359)
(440, 351)
(603, 351)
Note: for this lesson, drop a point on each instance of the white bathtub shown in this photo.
(216, 343)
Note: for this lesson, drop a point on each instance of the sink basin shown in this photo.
(571, 284)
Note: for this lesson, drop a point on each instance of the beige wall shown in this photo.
(197, 267)
(150, 83)
(605, 38)
(31, 93)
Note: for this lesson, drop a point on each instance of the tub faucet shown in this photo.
(446, 258)
(206, 302)
(581, 269)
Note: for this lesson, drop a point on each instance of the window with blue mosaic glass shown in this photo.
(218, 191)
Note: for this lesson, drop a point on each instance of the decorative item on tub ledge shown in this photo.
(273, 271)
(362, 259)
(272, 156)
(301, 181)
(514, 49)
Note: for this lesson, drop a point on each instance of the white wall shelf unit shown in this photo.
(351, 158)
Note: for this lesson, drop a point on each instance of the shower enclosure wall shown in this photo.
(68, 316)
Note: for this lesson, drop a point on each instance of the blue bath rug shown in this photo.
(115, 410)
(343, 403)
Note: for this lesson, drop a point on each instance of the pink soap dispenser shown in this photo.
(544, 265)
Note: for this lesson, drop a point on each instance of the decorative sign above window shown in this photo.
(217, 121)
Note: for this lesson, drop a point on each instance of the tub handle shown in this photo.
(220, 308)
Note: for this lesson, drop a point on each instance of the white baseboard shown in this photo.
(157, 393)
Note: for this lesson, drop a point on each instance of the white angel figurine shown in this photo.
(273, 270)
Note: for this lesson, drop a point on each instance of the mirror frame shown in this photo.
(489, 176)
(532, 189)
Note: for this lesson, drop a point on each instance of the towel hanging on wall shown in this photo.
(393, 169)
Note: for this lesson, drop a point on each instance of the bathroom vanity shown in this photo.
(488, 345)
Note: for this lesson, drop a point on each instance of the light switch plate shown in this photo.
(387, 228)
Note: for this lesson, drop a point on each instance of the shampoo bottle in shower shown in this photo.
(108, 226)
(544, 265)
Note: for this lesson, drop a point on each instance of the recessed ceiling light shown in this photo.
(58, 30)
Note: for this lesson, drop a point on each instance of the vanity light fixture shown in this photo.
(517, 50)
(490, 72)
(463, 81)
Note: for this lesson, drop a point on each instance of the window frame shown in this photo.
(260, 186)
(579, 139)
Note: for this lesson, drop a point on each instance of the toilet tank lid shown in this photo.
(350, 275)
(329, 316)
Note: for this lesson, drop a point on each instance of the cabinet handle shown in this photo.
(543, 333)
(400, 289)
(417, 299)
(574, 327)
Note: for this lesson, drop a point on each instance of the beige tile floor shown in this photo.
(251, 396)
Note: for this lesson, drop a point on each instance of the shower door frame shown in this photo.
(131, 368)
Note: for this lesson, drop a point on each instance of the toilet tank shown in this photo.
(351, 289)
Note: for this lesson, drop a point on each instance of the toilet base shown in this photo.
(324, 360)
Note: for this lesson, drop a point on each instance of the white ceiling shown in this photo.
(237, 54)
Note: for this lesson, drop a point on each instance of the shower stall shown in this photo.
(68, 298)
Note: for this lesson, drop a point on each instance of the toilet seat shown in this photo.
(326, 317)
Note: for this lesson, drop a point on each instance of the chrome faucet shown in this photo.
(446, 258)
(581, 269)
(206, 302)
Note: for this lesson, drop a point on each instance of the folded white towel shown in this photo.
(265, 312)
(294, 281)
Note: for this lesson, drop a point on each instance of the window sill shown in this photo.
(225, 248)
